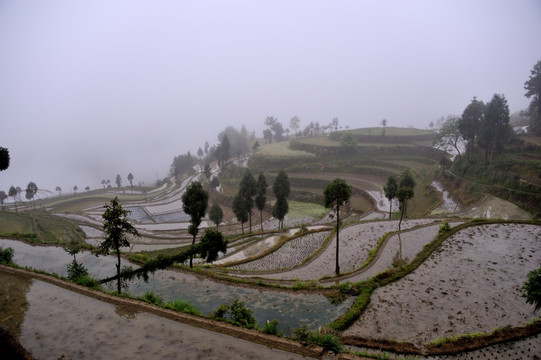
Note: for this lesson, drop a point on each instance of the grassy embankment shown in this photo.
(311, 163)
(39, 227)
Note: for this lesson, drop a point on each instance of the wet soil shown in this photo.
(61, 324)
(472, 283)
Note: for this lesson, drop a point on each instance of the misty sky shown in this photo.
(91, 89)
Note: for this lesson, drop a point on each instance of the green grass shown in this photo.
(390, 131)
(39, 226)
(301, 210)
(183, 306)
(282, 150)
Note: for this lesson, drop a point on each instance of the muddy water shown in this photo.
(400, 249)
(472, 283)
(54, 323)
(449, 204)
(290, 309)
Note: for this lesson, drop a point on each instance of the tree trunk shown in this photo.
(191, 255)
(458, 151)
(119, 287)
(390, 208)
(250, 213)
(242, 227)
(261, 214)
(337, 239)
(402, 212)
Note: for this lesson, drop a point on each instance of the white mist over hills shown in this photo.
(92, 89)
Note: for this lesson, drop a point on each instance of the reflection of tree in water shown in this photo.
(398, 260)
(13, 301)
(127, 312)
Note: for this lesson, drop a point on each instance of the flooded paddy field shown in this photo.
(472, 283)
(291, 309)
(355, 243)
(55, 323)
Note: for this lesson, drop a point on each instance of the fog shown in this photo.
(91, 89)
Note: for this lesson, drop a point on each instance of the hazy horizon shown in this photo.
(92, 89)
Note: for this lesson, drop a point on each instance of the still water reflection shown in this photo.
(292, 310)
(54, 323)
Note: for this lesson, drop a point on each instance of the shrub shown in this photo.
(88, 282)
(151, 298)
(6, 256)
(532, 289)
(328, 341)
(302, 333)
(444, 228)
(183, 306)
(302, 229)
(236, 313)
(271, 328)
(76, 271)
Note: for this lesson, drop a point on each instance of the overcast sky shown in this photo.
(91, 89)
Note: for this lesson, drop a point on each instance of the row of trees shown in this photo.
(275, 130)
(255, 192)
(487, 125)
(481, 125)
(402, 190)
(15, 192)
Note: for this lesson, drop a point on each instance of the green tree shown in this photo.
(281, 187)
(216, 214)
(270, 122)
(75, 188)
(212, 243)
(390, 192)
(222, 151)
(13, 193)
(3, 197)
(261, 197)
(236, 313)
(194, 203)
(118, 181)
(449, 136)
(533, 87)
(335, 194)
(280, 210)
(240, 210)
(248, 189)
(405, 192)
(495, 129)
(207, 171)
(117, 229)
(384, 124)
(130, 179)
(281, 190)
(182, 164)
(31, 191)
(4, 158)
(348, 144)
(215, 182)
(59, 189)
(532, 289)
(294, 124)
(75, 270)
(470, 122)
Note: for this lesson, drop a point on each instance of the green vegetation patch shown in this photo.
(281, 150)
(301, 210)
(390, 131)
(41, 227)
